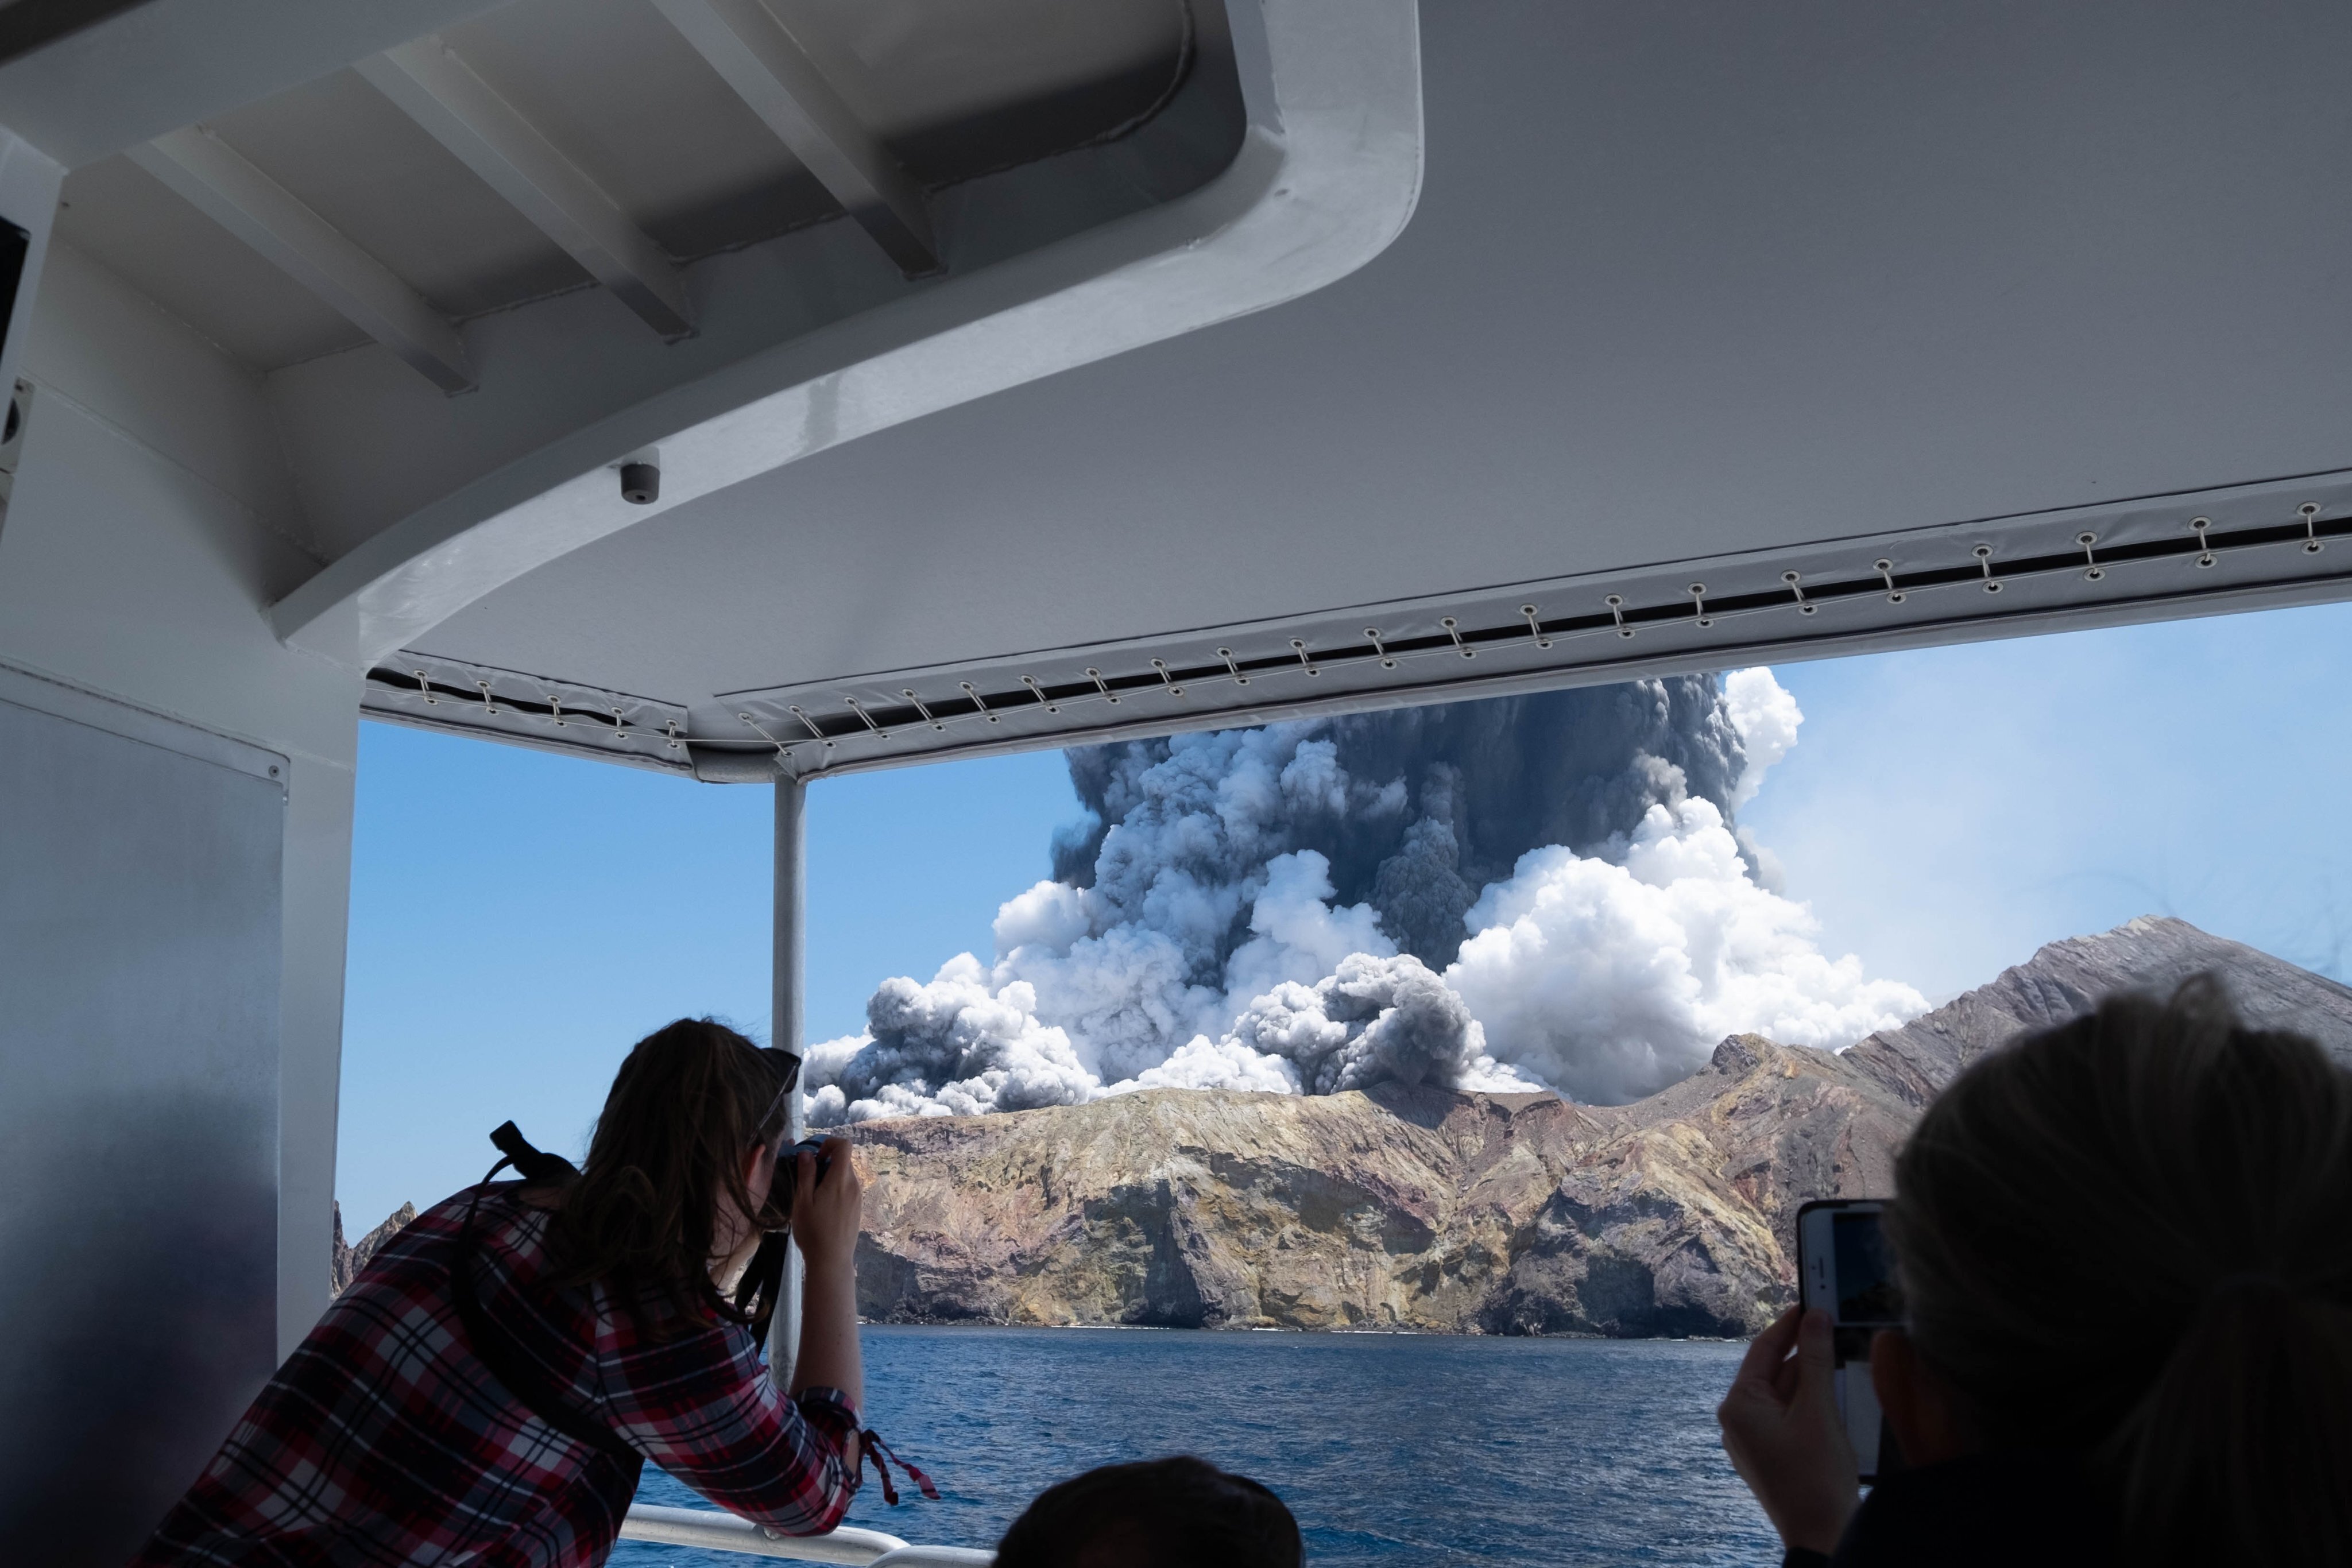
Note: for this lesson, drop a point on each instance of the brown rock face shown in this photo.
(350, 1259)
(1412, 1208)
(1426, 1209)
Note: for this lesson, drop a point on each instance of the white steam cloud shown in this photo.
(1610, 977)
(1267, 910)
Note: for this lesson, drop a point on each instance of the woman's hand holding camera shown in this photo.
(826, 1214)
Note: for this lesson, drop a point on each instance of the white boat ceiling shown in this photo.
(1023, 372)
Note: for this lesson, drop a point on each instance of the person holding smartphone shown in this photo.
(2124, 1247)
(490, 1385)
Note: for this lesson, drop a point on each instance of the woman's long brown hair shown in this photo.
(690, 1101)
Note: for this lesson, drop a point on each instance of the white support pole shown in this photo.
(216, 178)
(772, 73)
(785, 1029)
(436, 88)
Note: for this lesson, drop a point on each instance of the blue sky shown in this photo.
(1948, 810)
(517, 919)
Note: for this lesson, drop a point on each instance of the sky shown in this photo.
(1948, 810)
(519, 919)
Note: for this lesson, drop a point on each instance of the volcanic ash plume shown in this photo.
(1520, 893)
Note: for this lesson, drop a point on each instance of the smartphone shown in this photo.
(1846, 1268)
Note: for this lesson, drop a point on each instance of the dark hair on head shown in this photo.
(1179, 1512)
(2130, 1238)
(689, 1102)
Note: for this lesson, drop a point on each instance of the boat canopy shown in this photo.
(1044, 370)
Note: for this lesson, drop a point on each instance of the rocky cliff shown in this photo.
(347, 1260)
(1425, 1209)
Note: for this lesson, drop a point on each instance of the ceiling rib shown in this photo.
(217, 180)
(770, 72)
(29, 24)
(427, 81)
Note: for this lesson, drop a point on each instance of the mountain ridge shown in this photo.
(1431, 1209)
(1434, 1210)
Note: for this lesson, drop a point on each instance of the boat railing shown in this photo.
(715, 1532)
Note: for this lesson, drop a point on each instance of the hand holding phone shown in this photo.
(1846, 1268)
(1783, 1432)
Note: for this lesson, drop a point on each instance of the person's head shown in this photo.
(2129, 1238)
(1180, 1512)
(678, 1175)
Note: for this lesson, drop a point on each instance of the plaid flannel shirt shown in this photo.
(384, 1441)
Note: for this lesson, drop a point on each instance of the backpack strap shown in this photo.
(533, 1165)
(496, 1348)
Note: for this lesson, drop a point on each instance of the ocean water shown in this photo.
(1391, 1449)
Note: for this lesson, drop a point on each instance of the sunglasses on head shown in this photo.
(788, 1067)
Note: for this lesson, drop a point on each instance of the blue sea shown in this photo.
(1393, 1450)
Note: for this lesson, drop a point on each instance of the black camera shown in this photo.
(787, 1162)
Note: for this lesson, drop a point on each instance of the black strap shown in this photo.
(496, 1348)
(756, 1292)
(537, 1168)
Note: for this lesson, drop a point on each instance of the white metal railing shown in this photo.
(716, 1531)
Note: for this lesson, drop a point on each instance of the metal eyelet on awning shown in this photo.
(799, 714)
(1886, 569)
(1984, 559)
(920, 707)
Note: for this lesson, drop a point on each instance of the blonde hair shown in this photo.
(2130, 1238)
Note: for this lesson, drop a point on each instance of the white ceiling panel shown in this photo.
(1682, 281)
(194, 268)
(342, 149)
(613, 84)
(1686, 285)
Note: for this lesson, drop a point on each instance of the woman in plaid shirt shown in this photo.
(389, 1439)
